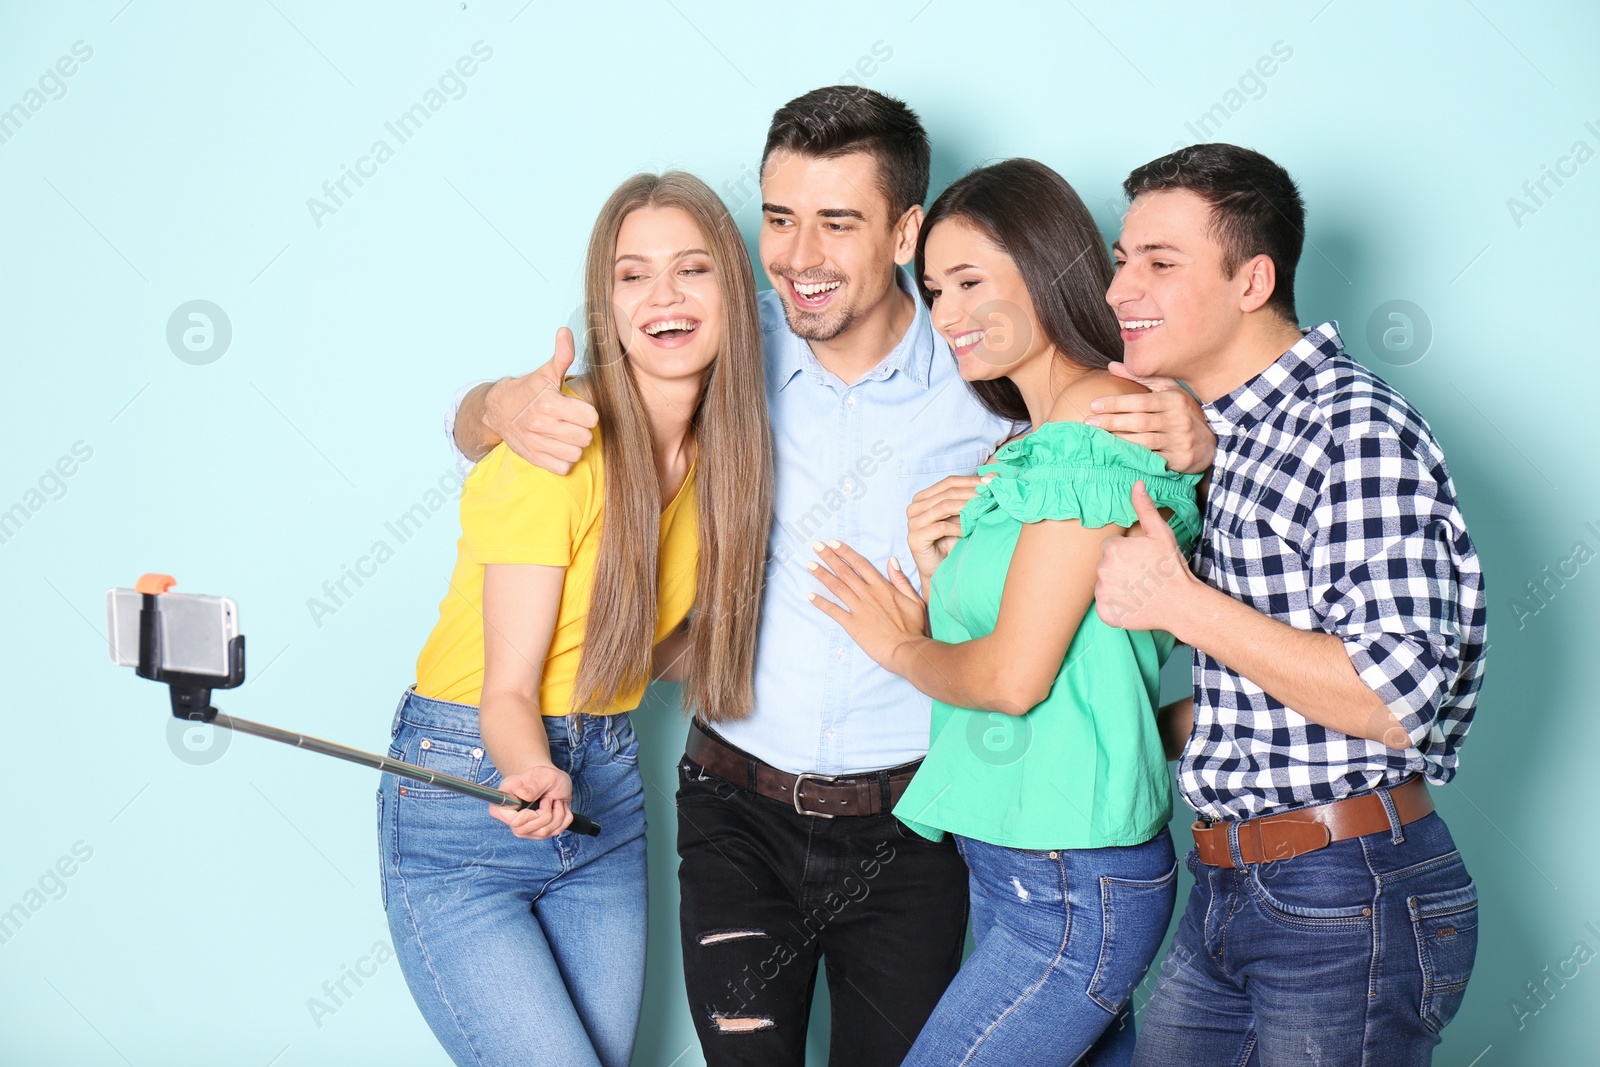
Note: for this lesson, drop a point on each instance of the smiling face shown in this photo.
(980, 302)
(665, 297)
(1176, 306)
(827, 239)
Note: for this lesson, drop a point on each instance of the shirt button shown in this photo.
(838, 653)
(850, 401)
(847, 488)
(828, 734)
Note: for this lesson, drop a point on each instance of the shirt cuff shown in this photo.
(463, 464)
(1407, 675)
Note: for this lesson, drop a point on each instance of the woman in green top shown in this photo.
(1045, 758)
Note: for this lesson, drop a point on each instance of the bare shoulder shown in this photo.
(1073, 403)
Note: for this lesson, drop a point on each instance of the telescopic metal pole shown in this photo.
(580, 823)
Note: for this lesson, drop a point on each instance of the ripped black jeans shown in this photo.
(766, 893)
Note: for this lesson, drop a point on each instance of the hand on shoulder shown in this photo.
(1073, 403)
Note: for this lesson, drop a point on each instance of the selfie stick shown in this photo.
(191, 700)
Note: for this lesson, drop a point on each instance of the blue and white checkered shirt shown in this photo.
(1331, 510)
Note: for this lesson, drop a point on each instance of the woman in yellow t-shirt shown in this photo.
(523, 944)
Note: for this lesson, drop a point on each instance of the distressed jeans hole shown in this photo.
(717, 937)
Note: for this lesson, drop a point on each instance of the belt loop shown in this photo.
(750, 774)
(574, 727)
(1397, 833)
(883, 792)
(1233, 844)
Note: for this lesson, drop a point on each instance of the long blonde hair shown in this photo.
(733, 475)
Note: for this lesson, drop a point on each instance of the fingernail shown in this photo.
(833, 544)
(818, 545)
(1091, 421)
(811, 565)
(811, 596)
(987, 478)
(894, 563)
(1094, 405)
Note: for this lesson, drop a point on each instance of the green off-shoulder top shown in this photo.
(1085, 768)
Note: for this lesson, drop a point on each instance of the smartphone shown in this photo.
(195, 630)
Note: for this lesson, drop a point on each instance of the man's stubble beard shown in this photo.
(809, 326)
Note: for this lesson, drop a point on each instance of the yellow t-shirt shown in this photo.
(515, 512)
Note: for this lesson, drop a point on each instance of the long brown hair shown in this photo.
(1041, 223)
(733, 475)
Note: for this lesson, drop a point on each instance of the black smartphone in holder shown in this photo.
(170, 645)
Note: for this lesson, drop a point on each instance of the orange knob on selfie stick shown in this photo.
(191, 699)
(155, 583)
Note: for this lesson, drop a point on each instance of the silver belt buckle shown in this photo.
(799, 781)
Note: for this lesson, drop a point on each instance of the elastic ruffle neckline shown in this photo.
(1067, 470)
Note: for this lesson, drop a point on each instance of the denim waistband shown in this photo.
(451, 717)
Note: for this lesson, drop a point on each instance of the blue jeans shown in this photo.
(1061, 940)
(517, 951)
(1355, 954)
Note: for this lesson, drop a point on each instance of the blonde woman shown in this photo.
(520, 943)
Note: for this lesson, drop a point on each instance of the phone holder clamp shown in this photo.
(191, 693)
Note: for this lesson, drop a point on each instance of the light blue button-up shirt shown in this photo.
(849, 460)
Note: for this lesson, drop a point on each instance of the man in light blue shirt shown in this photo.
(789, 853)
(849, 457)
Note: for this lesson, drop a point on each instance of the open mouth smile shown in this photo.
(966, 342)
(1133, 329)
(670, 333)
(813, 295)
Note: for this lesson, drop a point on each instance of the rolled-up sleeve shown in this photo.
(1386, 575)
(463, 464)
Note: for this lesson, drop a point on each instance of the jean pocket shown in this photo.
(1446, 927)
(625, 743)
(459, 758)
(696, 783)
(1133, 921)
(1321, 890)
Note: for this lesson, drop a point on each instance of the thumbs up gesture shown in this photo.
(1143, 583)
(536, 419)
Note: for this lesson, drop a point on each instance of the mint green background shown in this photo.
(177, 165)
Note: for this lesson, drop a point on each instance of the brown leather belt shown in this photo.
(870, 793)
(1268, 838)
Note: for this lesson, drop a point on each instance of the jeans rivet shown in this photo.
(1366, 912)
(1055, 855)
(477, 753)
(426, 743)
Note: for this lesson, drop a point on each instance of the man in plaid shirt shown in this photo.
(1336, 610)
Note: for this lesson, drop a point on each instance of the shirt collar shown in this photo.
(1259, 397)
(913, 356)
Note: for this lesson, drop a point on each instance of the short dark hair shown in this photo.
(1042, 224)
(1255, 207)
(840, 119)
